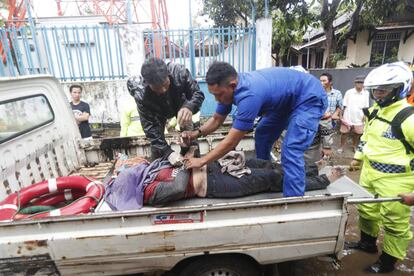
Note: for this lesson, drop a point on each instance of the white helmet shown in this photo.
(390, 76)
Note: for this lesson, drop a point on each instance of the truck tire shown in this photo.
(218, 265)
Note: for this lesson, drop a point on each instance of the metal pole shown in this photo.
(191, 54)
(266, 8)
(254, 36)
(128, 12)
(373, 200)
(34, 36)
(307, 56)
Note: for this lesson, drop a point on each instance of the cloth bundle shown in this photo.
(234, 163)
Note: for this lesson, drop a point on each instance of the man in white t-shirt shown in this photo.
(355, 100)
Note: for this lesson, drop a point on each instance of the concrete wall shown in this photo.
(105, 98)
(263, 43)
(357, 53)
(343, 79)
(406, 52)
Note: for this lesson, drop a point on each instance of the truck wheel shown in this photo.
(221, 266)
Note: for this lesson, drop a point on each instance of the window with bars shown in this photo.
(385, 48)
(319, 59)
(305, 61)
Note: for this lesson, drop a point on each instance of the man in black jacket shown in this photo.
(164, 91)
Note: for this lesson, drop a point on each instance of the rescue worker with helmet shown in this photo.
(387, 165)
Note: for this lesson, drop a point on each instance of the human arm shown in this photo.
(339, 105)
(247, 111)
(345, 103)
(192, 95)
(408, 130)
(208, 127)
(154, 125)
(337, 114)
(356, 163)
(85, 113)
(83, 117)
(226, 145)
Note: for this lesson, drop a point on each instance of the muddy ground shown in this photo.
(354, 262)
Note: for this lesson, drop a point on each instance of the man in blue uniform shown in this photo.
(285, 99)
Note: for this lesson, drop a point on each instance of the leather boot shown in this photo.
(367, 244)
(385, 264)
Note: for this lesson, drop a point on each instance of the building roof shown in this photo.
(316, 36)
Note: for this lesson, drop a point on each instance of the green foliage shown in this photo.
(376, 59)
(363, 14)
(290, 18)
(338, 56)
(227, 13)
(393, 57)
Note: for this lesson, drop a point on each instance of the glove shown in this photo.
(175, 159)
(355, 165)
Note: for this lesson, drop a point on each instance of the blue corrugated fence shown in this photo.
(76, 53)
(231, 44)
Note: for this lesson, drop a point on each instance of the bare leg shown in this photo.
(355, 140)
(343, 140)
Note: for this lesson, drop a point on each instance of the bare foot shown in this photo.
(336, 173)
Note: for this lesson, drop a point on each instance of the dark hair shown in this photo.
(75, 86)
(219, 73)
(329, 76)
(154, 71)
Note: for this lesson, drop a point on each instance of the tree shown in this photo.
(364, 14)
(228, 13)
(290, 20)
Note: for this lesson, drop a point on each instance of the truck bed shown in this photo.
(267, 227)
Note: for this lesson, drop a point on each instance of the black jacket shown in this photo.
(154, 110)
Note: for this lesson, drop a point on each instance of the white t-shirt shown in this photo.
(354, 102)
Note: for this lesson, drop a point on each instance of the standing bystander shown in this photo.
(332, 114)
(355, 100)
(81, 111)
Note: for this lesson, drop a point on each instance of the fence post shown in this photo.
(133, 42)
(263, 43)
(42, 69)
(191, 48)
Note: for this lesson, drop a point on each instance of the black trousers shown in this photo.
(265, 177)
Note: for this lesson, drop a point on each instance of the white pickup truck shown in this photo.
(39, 140)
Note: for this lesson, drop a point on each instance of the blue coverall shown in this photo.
(285, 99)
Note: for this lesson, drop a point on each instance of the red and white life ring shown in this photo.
(55, 198)
(94, 192)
